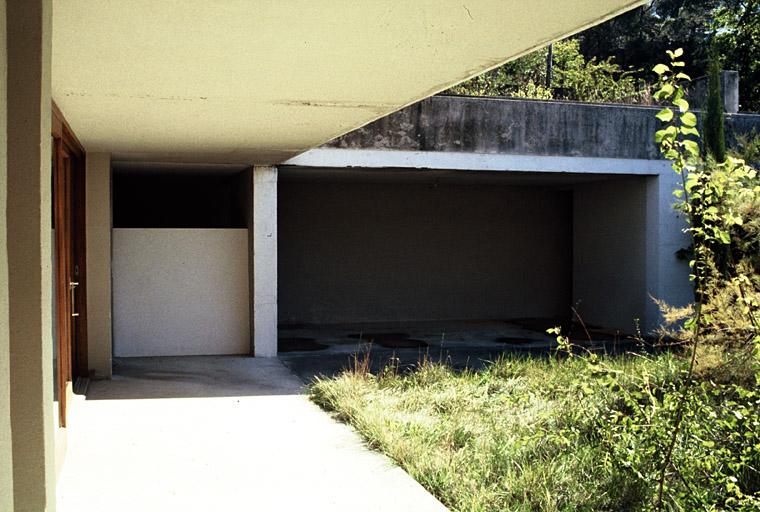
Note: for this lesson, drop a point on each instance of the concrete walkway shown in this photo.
(220, 434)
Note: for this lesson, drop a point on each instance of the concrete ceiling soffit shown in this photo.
(247, 81)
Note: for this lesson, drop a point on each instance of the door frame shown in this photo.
(72, 356)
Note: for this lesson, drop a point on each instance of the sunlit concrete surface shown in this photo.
(220, 433)
(255, 81)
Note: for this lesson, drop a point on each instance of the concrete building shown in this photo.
(165, 189)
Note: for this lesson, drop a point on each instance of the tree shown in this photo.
(619, 53)
(715, 139)
(575, 78)
(635, 39)
(737, 39)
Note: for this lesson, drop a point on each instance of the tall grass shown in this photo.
(488, 440)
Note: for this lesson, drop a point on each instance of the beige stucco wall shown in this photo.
(354, 252)
(180, 292)
(6, 458)
(29, 252)
(98, 222)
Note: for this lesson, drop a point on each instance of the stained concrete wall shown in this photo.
(522, 127)
(610, 252)
(6, 454)
(180, 292)
(352, 252)
(98, 230)
(729, 89)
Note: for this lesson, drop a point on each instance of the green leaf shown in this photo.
(659, 135)
(689, 130)
(665, 91)
(692, 147)
(683, 76)
(660, 69)
(665, 115)
(675, 53)
(682, 104)
(691, 182)
(689, 119)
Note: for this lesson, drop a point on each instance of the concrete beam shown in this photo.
(98, 228)
(461, 161)
(29, 252)
(263, 261)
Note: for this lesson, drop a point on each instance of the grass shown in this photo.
(487, 441)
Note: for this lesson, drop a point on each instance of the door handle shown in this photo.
(72, 285)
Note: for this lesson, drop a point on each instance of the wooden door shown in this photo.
(68, 256)
(64, 284)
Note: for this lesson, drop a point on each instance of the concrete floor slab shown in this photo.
(461, 344)
(220, 433)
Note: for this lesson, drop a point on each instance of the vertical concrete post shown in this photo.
(667, 277)
(6, 458)
(28, 26)
(652, 315)
(98, 229)
(262, 235)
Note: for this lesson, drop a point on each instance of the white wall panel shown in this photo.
(180, 292)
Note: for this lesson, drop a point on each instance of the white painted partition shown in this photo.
(180, 292)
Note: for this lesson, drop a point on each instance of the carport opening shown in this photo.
(180, 260)
(490, 257)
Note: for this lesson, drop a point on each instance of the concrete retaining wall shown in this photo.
(522, 127)
(180, 292)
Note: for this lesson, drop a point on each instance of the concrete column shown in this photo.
(98, 229)
(667, 276)
(28, 26)
(6, 458)
(262, 235)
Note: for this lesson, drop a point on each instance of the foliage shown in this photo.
(736, 28)
(619, 53)
(496, 440)
(715, 138)
(635, 38)
(546, 434)
(663, 429)
(575, 78)
(747, 148)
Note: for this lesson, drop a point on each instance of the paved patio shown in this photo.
(224, 434)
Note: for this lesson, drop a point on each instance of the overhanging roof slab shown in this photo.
(259, 81)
